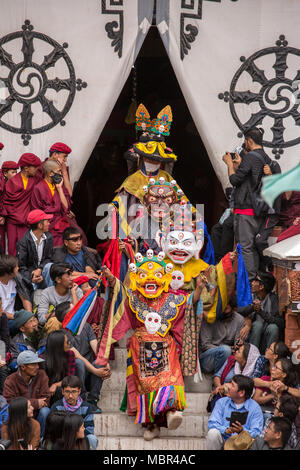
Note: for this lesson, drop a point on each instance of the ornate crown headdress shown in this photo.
(162, 182)
(150, 258)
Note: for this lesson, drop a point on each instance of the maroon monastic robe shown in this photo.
(2, 227)
(42, 199)
(16, 207)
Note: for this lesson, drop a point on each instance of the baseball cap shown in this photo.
(37, 215)
(28, 357)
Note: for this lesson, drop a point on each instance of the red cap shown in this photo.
(1, 146)
(37, 215)
(81, 280)
(61, 148)
(9, 165)
(29, 159)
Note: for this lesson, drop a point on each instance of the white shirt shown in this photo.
(8, 294)
(39, 246)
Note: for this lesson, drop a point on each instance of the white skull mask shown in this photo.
(177, 280)
(180, 246)
(152, 322)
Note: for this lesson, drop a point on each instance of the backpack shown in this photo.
(260, 207)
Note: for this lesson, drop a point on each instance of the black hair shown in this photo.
(61, 310)
(284, 426)
(71, 381)
(57, 270)
(53, 427)
(70, 231)
(282, 351)
(56, 359)
(246, 351)
(289, 369)
(69, 441)
(18, 424)
(288, 406)
(244, 383)
(268, 280)
(256, 134)
(7, 264)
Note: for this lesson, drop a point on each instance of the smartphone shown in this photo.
(239, 416)
(232, 155)
(23, 444)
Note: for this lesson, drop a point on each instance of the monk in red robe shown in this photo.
(16, 200)
(52, 197)
(59, 152)
(8, 170)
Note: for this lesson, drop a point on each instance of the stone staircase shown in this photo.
(117, 431)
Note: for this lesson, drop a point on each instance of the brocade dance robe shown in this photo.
(154, 374)
(16, 207)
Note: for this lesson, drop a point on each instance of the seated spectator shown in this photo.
(290, 209)
(242, 362)
(84, 346)
(63, 291)
(4, 346)
(53, 429)
(263, 365)
(27, 325)
(238, 399)
(15, 292)
(73, 403)
(35, 249)
(267, 324)
(286, 407)
(59, 361)
(217, 339)
(21, 425)
(9, 169)
(267, 396)
(82, 259)
(30, 382)
(276, 436)
(73, 437)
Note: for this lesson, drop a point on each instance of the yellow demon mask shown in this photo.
(150, 275)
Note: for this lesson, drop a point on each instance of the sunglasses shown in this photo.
(75, 239)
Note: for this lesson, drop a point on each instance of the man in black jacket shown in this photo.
(245, 179)
(35, 249)
(82, 259)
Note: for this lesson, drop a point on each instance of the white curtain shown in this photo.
(238, 64)
(62, 67)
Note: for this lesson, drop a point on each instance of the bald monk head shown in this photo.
(52, 171)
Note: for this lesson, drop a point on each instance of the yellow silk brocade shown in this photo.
(191, 269)
(150, 147)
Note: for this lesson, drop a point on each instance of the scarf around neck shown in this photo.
(72, 408)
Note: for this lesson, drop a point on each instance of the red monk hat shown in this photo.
(29, 159)
(37, 215)
(61, 148)
(1, 146)
(9, 165)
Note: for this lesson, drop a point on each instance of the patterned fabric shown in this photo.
(189, 354)
(259, 368)
(71, 363)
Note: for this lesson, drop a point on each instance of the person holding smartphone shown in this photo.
(234, 413)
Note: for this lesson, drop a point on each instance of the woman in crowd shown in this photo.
(242, 361)
(54, 428)
(21, 426)
(276, 350)
(73, 434)
(266, 396)
(59, 361)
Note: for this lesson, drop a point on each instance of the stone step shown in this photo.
(117, 382)
(111, 401)
(162, 443)
(119, 424)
